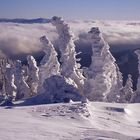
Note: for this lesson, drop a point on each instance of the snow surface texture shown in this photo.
(72, 121)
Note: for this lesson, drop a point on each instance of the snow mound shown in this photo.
(133, 113)
(56, 89)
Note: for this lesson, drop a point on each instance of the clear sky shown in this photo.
(71, 9)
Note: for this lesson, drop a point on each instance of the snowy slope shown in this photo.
(72, 121)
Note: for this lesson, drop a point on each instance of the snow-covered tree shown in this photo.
(103, 79)
(137, 52)
(4, 63)
(49, 64)
(118, 89)
(33, 75)
(136, 97)
(128, 90)
(69, 67)
(10, 87)
(3, 79)
(23, 90)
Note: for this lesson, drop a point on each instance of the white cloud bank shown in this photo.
(19, 38)
(24, 38)
(115, 32)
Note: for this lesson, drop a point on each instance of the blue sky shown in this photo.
(71, 9)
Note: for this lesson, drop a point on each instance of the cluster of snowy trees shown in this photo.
(57, 80)
(18, 81)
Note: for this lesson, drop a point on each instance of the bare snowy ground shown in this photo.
(72, 121)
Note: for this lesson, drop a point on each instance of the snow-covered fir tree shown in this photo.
(4, 63)
(10, 87)
(118, 88)
(69, 66)
(103, 81)
(33, 75)
(23, 90)
(49, 65)
(136, 97)
(128, 90)
(137, 52)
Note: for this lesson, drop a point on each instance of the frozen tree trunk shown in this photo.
(23, 90)
(69, 67)
(49, 64)
(33, 75)
(103, 79)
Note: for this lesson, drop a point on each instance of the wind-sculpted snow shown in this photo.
(72, 121)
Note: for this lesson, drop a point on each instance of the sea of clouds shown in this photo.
(16, 39)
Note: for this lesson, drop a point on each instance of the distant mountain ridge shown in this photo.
(24, 21)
